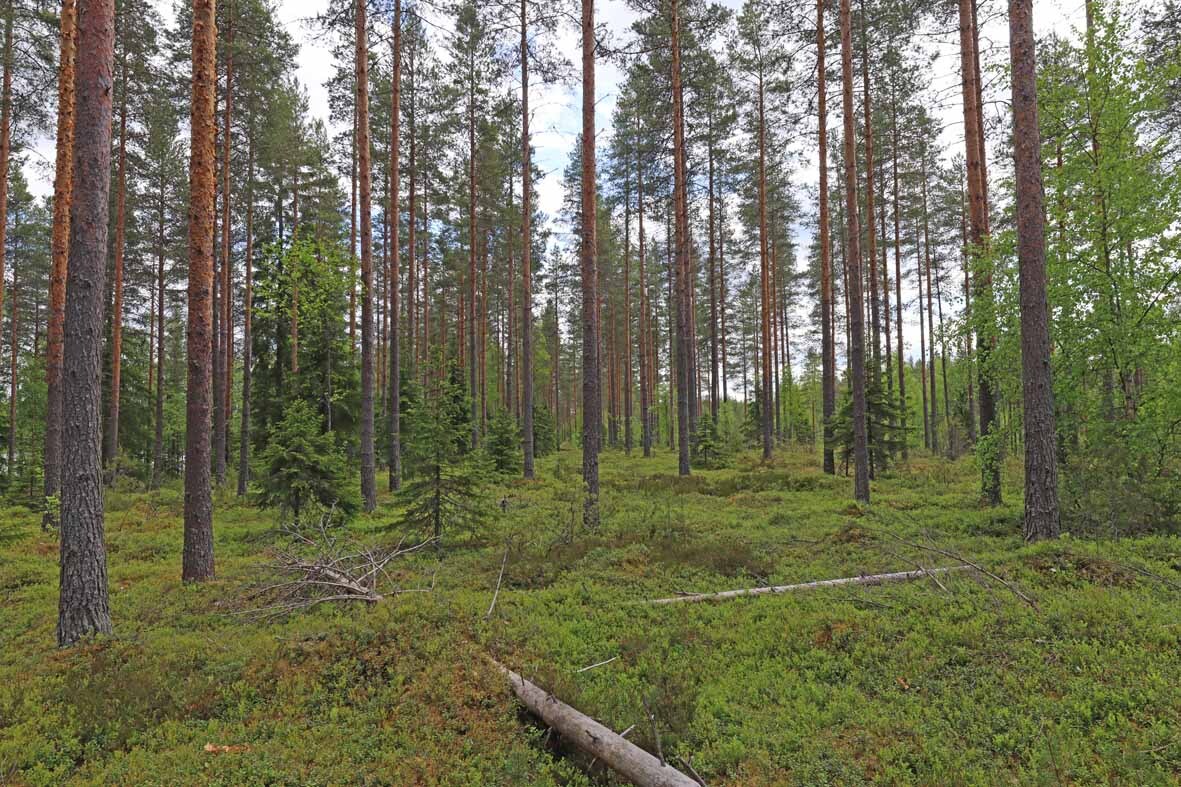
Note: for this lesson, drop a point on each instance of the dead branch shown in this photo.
(871, 579)
(590, 737)
(499, 579)
(320, 567)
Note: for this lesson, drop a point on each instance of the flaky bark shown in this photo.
(365, 177)
(198, 525)
(853, 266)
(83, 605)
(5, 138)
(62, 196)
(1041, 463)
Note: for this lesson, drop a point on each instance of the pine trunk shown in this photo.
(198, 515)
(853, 265)
(83, 607)
(62, 197)
(592, 402)
(395, 363)
(368, 456)
(681, 209)
(827, 340)
(1041, 464)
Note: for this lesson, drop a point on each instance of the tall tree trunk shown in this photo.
(473, 230)
(902, 407)
(225, 363)
(930, 309)
(395, 273)
(198, 532)
(645, 320)
(764, 273)
(111, 445)
(368, 456)
(161, 295)
(853, 264)
(714, 379)
(918, 273)
(592, 400)
(247, 317)
(627, 310)
(526, 257)
(1041, 463)
(681, 209)
(875, 319)
(5, 137)
(978, 222)
(14, 344)
(83, 607)
(827, 341)
(62, 197)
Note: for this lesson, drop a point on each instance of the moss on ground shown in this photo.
(892, 684)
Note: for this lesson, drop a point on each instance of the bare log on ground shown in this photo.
(871, 579)
(321, 567)
(590, 737)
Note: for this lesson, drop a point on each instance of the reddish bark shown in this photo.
(62, 195)
(198, 515)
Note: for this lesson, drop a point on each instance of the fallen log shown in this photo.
(590, 737)
(871, 579)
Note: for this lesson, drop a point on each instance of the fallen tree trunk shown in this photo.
(871, 579)
(590, 737)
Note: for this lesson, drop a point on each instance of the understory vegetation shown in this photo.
(957, 682)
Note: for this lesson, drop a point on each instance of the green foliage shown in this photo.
(503, 443)
(709, 451)
(447, 486)
(545, 431)
(303, 467)
(885, 436)
(303, 286)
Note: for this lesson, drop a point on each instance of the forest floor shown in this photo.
(915, 683)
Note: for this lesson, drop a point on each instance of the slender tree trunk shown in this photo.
(681, 209)
(645, 320)
(198, 540)
(827, 349)
(930, 309)
(875, 319)
(918, 273)
(1041, 462)
(902, 406)
(592, 400)
(247, 317)
(62, 197)
(526, 257)
(764, 273)
(14, 343)
(111, 445)
(714, 378)
(627, 310)
(83, 607)
(368, 457)
(853, 264)
(978, 221)
(395, 274)
(161, 295)
(5, 137)
(227, 292)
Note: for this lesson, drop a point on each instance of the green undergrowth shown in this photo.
(1061, 669)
